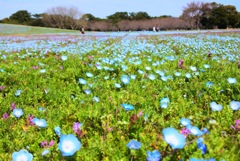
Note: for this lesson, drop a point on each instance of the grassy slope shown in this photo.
(8, 29)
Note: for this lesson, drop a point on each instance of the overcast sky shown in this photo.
(103, 8)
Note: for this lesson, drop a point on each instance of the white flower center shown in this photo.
(22, 157)
(68, 146)
(171, 139)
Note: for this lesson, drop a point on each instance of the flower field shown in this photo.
(120, 97)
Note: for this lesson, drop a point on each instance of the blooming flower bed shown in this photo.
(120, 97)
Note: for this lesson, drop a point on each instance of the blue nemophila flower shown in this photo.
(82, 81)
(148, 68)
(17, 112)
(174, 138)
(195, 131)
(69, 144)
(132, 76)
(64, 57)
(18, 92)
(140, 71)
(96, 99)
(45, 152)
(57, 130)
(40, 122)
(193, 68)
(117, 85)
(188, 75)
(88, 74)
(185, 121)
(43, 71)
(151, 76)
(153, 156)
(127, 107)
(235, 105)
(125, 79)
(209, 84)
(134, 144)
(202, 147)
(177, 74)
(22, 155)
(232, 80)
(164, 102)
(87, 91)
(215, 107)
(206, 66)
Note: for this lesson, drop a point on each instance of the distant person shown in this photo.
(154, 29)
(157, 29)
(82, 30)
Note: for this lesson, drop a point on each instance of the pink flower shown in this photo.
(61, 67)
(2, 87)
(30, 119)
(180, 64)
(90, 57)
(13, 106)
(34, 67)
(185, 132)
(5, 116)
(140, 113)
(51, 143)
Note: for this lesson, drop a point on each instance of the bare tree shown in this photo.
(62, 17)
(193, 13)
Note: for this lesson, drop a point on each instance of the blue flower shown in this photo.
(232, 80)
(164, 102)
(177, 74)
(193, 68)
(69, 144)
(42, 70)
(117, 85)
(206, 66)
(133, 76)
(188, 75)
(202, 147)
(88, 74)
(127, 107)
(209, 84)
(40, 122)
(174, 138)
(134, 144)
(151, 76)
(235, 105)
(195, 131)
(153, 156)
(17, 112)
(45, 152)
(125, 79)
(96, 99)
(185, 121)
(57, 130)
(87, 91)
(215, 106)
(18, 92)
(63, 57)
(22, 155)
(82, 81)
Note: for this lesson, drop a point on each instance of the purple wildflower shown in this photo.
(30, 119)
(77, 127)
(239, 65)
(2, 87)
(35, 67)
(5, 115)
(13, 106)
(51, 143)
(44, 143)
(61, 67)
(185, 132)
(180, 64)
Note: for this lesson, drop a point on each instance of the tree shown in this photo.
(224, 17)
(118, 16)
(62, 17)
(21, 17)
(193, 13)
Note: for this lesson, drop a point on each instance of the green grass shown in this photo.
(9, 29)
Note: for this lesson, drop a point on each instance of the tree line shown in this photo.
(195, 15)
